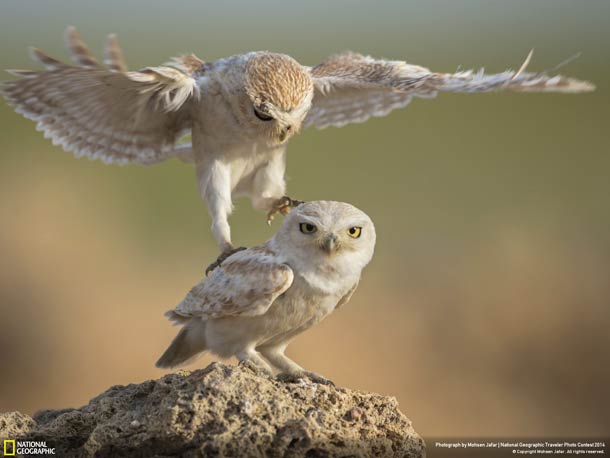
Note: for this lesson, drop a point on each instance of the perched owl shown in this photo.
(240, 110)
(259, 299)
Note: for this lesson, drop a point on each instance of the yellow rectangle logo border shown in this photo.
(7, 442)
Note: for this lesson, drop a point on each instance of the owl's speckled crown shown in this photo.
(277, 79)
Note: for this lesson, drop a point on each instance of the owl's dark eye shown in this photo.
(262, 116)
(307, 228)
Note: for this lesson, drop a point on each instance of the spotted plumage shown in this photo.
(278, 80)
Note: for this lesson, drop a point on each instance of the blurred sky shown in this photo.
(487, 306)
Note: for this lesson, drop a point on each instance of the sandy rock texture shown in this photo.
(223, 411)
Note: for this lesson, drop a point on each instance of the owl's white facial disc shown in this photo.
(333, 234)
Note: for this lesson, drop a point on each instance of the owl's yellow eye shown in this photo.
(307, 228)
(354, 232)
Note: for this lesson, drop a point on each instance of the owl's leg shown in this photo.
(214, 181)
(269, 188)
(277, 358)
(251, 359)
(290, 372)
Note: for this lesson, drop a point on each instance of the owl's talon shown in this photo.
(296, 377)
(282, 205)
(224, 255)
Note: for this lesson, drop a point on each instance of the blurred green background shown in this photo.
(487, 306)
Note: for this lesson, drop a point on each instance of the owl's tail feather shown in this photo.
(187, 346)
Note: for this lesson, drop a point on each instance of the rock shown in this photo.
(15, 424)
(223, 411)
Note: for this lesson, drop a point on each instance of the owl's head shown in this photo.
(279, 92)
(332, 234)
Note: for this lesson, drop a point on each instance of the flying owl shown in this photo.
(260, 298)
(240, 111)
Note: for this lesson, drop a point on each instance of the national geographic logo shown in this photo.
(9, 448)
(14, 447)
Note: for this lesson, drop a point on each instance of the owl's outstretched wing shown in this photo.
(111, 114)
(350, 88)
(246, 283)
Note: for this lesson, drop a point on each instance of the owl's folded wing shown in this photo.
(247, 283)
(111, 114)
(350, 88)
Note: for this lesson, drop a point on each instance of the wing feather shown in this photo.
(111, 114)
(78, 49)
(350, 88)
(345, 299)
(113, 55)
(247, 283)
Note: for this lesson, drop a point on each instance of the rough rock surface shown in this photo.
(223, 411)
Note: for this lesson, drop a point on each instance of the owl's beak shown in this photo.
(286, 130)
(330, 244)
